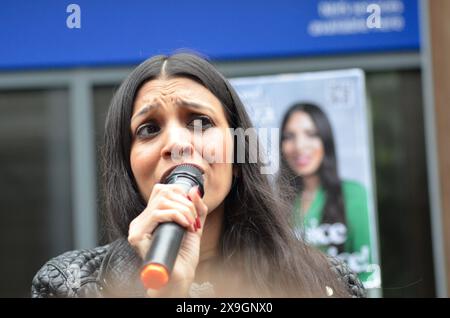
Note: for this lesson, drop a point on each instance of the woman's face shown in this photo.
(176, 121)
(302, 147)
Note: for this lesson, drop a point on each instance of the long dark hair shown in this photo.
(255, 231)
(333, 211)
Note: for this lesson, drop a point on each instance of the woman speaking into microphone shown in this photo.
(236, 238)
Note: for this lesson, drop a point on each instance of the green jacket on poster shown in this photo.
(355, 235)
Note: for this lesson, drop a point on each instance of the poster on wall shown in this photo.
(322, 138)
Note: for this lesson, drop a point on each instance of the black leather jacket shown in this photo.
(112, 271)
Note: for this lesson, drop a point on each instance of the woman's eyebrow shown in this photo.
(180, 102)
(144, 110)
(194, 104)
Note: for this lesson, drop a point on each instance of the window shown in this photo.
(402, 186)
(35, 205)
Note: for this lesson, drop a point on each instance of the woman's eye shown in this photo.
(312, 134)
(201, 122)
(147, 130)
(287, 137)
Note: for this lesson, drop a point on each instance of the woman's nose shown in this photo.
(177, 144)
(300, 142)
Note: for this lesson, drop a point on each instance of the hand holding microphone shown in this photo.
(167, 234)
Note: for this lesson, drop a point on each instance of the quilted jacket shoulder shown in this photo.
(348, 277)
(112, 271)
(106, 271)
(65, 275)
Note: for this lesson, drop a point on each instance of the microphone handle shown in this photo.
(167, 237)
(166, 242)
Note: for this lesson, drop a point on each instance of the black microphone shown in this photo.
(167, 237)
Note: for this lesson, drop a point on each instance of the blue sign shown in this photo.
(48, 34)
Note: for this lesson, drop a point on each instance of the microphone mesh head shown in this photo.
(187, 168)
(187, 171)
